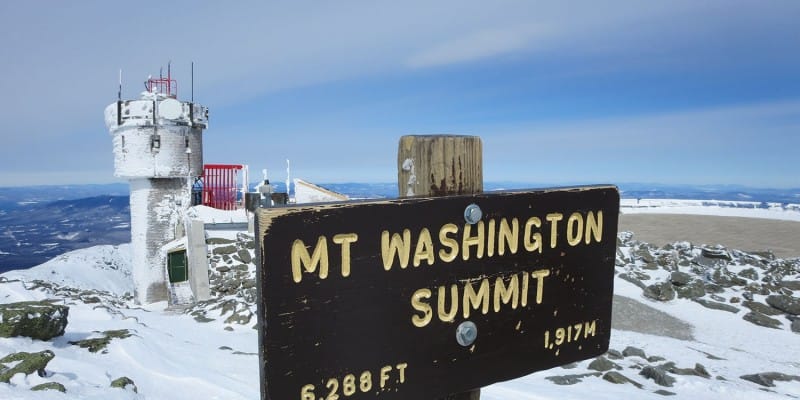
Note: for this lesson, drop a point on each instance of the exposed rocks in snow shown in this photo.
(24, 363)
(36, 319)
(124, 383)
(631, 351)
(658, 375)
(602, 364)
(49, 386)
(618, 378)
(714, 277)
(768, 378)
(99, 344)
(571, 379)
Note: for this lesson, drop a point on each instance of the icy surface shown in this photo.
(788, 212)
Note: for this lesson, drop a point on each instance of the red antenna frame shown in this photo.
(167, 86)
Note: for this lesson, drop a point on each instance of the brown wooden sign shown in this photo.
(420, 298)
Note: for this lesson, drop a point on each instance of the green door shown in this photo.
(176, 266)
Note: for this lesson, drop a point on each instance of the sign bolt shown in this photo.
(473, 214)
(466, 333)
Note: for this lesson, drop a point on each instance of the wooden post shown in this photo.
(441, 165)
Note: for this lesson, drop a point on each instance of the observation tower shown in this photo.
(158, 148)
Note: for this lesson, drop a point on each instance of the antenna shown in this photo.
(119, 92)
(192, 81)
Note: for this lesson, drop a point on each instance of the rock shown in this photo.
(631, 351)
(698, 370)
(680, 278)
(570, 379)
(748, 296)
(718, 253)
(654, 359)
(225, 250)
(660, 291)
(735, 300)
(49, 386)
(768, 378)
(602, 364)
(617, 378)
(761, 308)
(791, 285)
(659, 376)
(644, 255)
(749, 273)
(614, 354)
(223, 269)
(124, 383)
(664, 392)
(98, 344)
(26, 363)
(717, 306)
(34, 319)
(572, 365)
(796, 326)
(787, 304)
(693, 290)
(762, 320)
(651, 266)
(714, 288)
(245, 256)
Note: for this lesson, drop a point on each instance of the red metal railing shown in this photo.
(220, 186)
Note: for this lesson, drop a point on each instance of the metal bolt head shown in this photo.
(466, 333)
(473, 214)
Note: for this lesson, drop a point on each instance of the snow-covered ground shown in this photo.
(210, 351)
(748, 209)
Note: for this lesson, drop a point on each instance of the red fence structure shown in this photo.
(220, 185)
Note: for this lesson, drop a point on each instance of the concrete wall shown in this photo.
(197, 258)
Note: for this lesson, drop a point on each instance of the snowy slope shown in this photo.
(210, 351)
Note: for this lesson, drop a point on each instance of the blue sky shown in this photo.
(560, 92)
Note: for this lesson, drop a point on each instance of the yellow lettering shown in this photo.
(589, 329)
(345, 239)
(385, 375)
(508, 236)
(594, 226)
(398, 245)
(524, 301)
(574, 235)
(402, 368)
(540, 274)
(424, 249)
(553, 219)
(490, 244)
(448, 316)
(417, 302)
(504, 294)
(476, 300)
(448, 242)
(467, 241)
(302, 260)
(533, 242)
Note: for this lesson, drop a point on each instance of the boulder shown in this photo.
(692, 290)
(49, 386)
(26, 363)
(749, 273)
(602, 364)
(659, 376)
(762, 320)
(660, 291)
(761, 308)
(791, 285)
(664, 392)
(787, 304)
(717, 305)
(570, 379)
(768, 378)
(34, 319)
(245, 256)
(796, 326)
(617, 378)
(225, 250)
(124, 383)
(680, 278)
(631, 351)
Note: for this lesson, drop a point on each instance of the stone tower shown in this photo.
(158, 148)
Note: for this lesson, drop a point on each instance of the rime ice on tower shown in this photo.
(158, 148)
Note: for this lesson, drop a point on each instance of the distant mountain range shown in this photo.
(38, 223)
